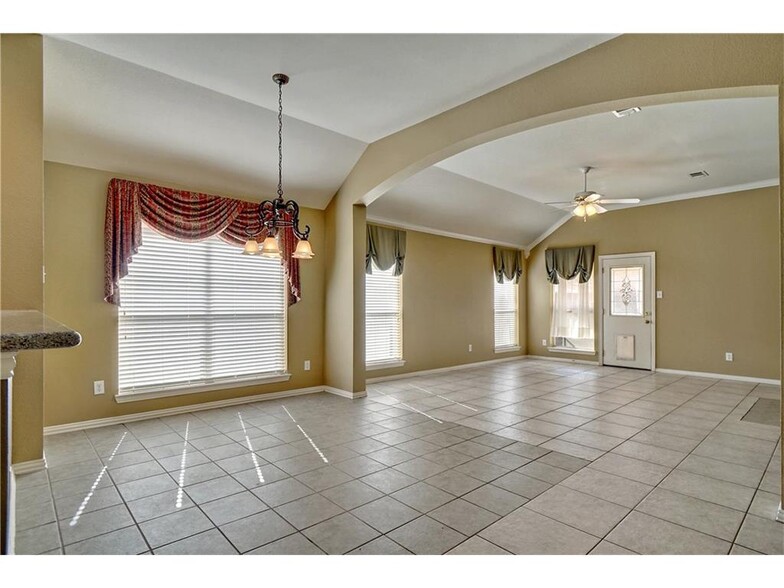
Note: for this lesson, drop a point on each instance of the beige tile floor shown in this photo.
(521, 457)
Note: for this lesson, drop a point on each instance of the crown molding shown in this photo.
(550, 230)
(439, 232)
(704, 193)
(661, 200)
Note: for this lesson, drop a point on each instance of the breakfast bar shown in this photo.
(20, 330)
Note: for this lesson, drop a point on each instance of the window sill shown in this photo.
(571, 350)
(383, 365)
(164, 392)
(507, 349)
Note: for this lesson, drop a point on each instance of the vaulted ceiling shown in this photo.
(648, 155)
(200, 110)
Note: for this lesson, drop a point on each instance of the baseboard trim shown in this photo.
(563, 359)
(443, 369)
(780, 514)
(152, 414)
(28, 467)
(345, 393)
(11, 526)
(719, 376)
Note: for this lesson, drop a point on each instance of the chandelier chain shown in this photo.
(280, 139)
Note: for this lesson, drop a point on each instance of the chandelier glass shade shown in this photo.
(251, 247)
(278, 214)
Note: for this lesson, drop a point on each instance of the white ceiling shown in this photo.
(441, 201)
(362, 86)
(105, 113)
(648, 155)
(200, 110)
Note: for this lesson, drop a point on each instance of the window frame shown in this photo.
(551, 347)
(163, 390)
(394, 362)
(515, 346)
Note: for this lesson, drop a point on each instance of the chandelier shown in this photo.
(278, 214)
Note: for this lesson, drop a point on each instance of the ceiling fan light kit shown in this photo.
(589, 203)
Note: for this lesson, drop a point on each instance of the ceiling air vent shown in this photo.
(626, 111)
(699, 174)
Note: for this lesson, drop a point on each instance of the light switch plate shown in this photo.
(728, 356)
(98, 387)
(307, 365)
(659, 294)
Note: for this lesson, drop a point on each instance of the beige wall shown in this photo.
(631, 70)
(74, 207)
(717, 264)
(448, 304)
(22, 241)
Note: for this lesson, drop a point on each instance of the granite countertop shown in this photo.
(29, 329)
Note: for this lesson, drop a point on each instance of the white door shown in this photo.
(628, 327)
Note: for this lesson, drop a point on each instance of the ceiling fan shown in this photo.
(588, 203)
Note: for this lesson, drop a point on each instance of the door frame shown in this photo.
(651, 293)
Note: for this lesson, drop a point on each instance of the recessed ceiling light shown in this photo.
(626, 111)
(699, 174)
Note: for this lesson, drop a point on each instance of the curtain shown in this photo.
(387, 247)
(182, 216)
(568, 262)
(572, 315)
(507, 263)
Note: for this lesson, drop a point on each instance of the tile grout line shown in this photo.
(122, 498)
(652, 423)
(604, 538)
(756, 491)
(125, 503)
(449, 425)
(672, 470)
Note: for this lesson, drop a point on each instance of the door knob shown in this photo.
(647, 321)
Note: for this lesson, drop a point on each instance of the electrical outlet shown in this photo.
(98, 387)
(728, 356)
(307, 365)
(470, 347)
(544, 342)
(659, 294)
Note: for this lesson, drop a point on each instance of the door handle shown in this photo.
(647, 321)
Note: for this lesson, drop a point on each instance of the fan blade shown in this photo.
(621, 201)
(563, 205)
(593, 198)
(599, 209)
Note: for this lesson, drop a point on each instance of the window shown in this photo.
(505, 307)
(626, 291)
(571, 324)
(383, 317)
(195, 314)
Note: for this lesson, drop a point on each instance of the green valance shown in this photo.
(507, 263)
(386, 247)
(568, 262)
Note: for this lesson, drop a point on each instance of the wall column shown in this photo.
(21, 230)
(344, 329)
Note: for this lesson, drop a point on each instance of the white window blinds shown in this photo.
(505, 306)
(383, 316)
(199, 313)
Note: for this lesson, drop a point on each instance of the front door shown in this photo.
(628, 310)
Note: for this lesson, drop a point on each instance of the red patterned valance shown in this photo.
(184, 216)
